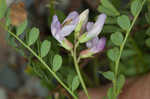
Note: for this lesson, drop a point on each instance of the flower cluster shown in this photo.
(85, 32)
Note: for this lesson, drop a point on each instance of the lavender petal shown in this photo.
(100, 45)
(92, 43)
(66, 30)
(59, 38)
(97, 28)
(89, 26)
(55, 26)
(72, 16)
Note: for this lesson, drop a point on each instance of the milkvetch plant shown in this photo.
(46, 63)
(69, 24)
(73, 22)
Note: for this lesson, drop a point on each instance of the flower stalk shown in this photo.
(76, 61)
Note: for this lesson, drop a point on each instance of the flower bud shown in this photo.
(83, 18)
(85, 53)
(67, 45)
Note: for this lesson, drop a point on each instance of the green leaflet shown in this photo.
(135, 6)
(45, 47)
(75, 83)
(113, 53)
(21, 28)
(120, 83)
(109, 75)
(117, 38)
(124, 22)
(33, 36)
(57, 62)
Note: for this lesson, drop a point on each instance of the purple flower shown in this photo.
(60, 31)
(96, 45)
(93, 29)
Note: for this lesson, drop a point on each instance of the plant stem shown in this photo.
(123, 44)
(126, 36)
(76, 61)
(41, 60)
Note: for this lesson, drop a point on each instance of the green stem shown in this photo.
(126, 36)
(42, 61)
(76, 61)
(124, 42)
